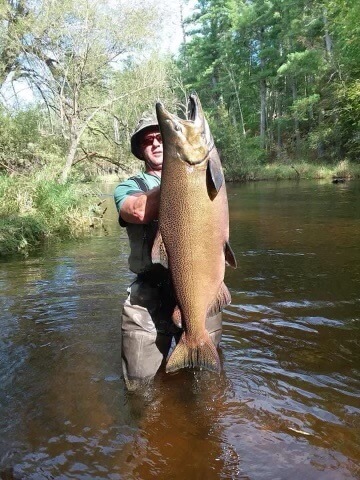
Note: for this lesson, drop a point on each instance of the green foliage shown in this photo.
(349, 118)
(71, 54)
(244, 159)
(286, 72)
(23, 146)
(304, 106)
(302, 170)
(242, 156)
(18, 135)
(109, 132)
(20, 234)
(279, 81)
(304, 63)
(33, 210)
(346, 31)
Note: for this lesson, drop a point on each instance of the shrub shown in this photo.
(33, 209)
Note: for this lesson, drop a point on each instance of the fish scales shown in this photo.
(193, 230)
(192, 269)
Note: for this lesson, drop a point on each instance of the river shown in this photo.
(287, 402)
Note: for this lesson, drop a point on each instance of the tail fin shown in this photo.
(202, 355)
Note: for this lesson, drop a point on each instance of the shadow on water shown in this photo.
(286, 404)
(180, 434)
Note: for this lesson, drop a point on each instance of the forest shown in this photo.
(279, 82)
(279, 79)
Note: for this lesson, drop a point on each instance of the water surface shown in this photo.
(286, 405)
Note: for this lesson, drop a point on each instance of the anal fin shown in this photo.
(222, 299)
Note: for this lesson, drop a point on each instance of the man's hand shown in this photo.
(141, 207)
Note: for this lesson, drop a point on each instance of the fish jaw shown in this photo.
(188, 140)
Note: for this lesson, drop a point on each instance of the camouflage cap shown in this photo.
(145, 123)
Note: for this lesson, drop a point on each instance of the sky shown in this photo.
(172, 32)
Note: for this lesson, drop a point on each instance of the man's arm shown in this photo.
(141, 207)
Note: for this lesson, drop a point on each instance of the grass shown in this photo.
(293, 171)
(34, 210)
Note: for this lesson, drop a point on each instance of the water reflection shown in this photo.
(286, 404)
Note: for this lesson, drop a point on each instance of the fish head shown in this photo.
(187, 139)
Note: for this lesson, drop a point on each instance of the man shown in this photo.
(147, 328)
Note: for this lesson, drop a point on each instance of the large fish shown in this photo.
(192, 239)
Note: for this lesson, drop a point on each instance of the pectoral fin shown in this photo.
(222, 299)
(214, 177)
(158, 252)
(229, 256)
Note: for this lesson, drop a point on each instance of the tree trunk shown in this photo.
(116, 130)
(75, 138)
(296, 119)
(320, 147)
(328, 42)
(233, 81)
(240, 111)
(262, 112)
(278, 116)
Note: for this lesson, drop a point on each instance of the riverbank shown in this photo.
(34, 210)
(292, 171)
(241, 172)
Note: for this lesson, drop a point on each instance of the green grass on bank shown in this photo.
(291, 171)
(34, 210)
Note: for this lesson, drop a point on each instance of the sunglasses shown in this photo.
(149, 139)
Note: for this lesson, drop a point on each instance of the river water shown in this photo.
(287, 402)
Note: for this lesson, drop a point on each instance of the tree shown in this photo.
(278, 71)
(14, 18)
(109, 131)
(344, 28)
(71, 53)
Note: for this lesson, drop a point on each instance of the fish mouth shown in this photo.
(194, 113)
(191, 135)
(160, 110)
(193, 107)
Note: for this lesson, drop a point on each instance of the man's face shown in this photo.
(152, 148)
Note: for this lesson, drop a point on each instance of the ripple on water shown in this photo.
(285, 406)
(297, 372)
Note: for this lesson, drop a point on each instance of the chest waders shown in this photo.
(147, 328)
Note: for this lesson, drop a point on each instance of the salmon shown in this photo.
(193, 235)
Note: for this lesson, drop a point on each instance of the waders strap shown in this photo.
(140, 183)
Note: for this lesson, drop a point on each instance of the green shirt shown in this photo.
(141, 237)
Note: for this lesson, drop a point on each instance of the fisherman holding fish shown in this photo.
(151, 318)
